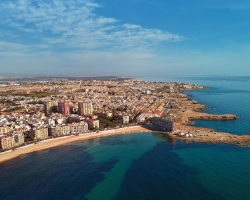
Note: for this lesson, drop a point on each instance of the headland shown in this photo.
(193, 110)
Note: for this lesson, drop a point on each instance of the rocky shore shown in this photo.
(193, 115)
(198, 134)
(192, 110)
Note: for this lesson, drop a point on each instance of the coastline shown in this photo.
(67, 139)
(191, 112)
(196, 111)
(212, 136)
(219, 137)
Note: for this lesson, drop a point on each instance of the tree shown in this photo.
(91, 127)
(30, 137)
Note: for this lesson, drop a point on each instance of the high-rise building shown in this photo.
(85, 108)
(88, 108)
(47, 107)
(50, 107)
(81, 108)
(64, 108)
(166, 124)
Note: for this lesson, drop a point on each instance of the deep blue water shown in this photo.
(143, 166)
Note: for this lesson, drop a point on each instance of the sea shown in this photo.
(144, 166)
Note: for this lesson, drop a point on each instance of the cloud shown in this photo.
(74, 24)
(8, 46)
(131, 26)
(62, 37)
(7, 34)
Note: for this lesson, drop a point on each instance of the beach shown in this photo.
(63, 140)
(211, 137)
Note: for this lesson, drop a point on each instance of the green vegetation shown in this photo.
(91, 127)
(36, 94)
(5, 94)
(132, 121)
(40, 94)
(30, 137)
(162, 89)
(149, 120)
(109, 122)
(7, 101)
(35, 102)
(13, 109)
(111, 93)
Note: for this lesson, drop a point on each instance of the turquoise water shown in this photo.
(130, 166)
(143, 166)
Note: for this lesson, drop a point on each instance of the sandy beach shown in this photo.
(59, 141)
(219, 137)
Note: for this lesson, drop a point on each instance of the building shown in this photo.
(142, 117)
(40, 133)
(125, 119)
(165, 124)
(105, 115)
(11, 140)
(50, 107)
(93, 123)
(81, 108)
(59, 120)
(88, 108)
(73, 119)
(78, 128)
(47, 108)
(18, 139)
(85, 108)
(64, 130)
(64, 108)
(4, 129)
(6, 142)
(89, 116)
(50, 122)
(83, 127)
(54, 131)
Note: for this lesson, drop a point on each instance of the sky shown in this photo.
(124, 37)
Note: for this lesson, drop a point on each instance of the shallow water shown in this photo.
(130, 166)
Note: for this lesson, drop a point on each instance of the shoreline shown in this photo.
(212, 136)
(194, 112)
(67, 139)
(219, 137)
